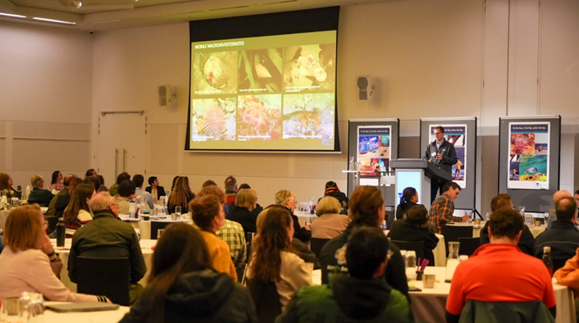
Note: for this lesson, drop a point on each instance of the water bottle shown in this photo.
(132, 209)
(547, 260)
(60, 232)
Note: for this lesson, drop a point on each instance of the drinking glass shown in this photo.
(178, 211)
(10, 311)
(488, 216)
(160, 233)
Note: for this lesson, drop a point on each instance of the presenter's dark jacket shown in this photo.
(526, 244)
(160, 191)
(448, 155)
(395, 274)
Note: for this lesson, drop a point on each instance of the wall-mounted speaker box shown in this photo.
(365, 88)
(165, 95)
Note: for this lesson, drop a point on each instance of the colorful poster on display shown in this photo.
(456, 135)
(529, 155)
(373, 150)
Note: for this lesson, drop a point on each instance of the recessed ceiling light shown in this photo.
(11, 15)
(54, 20)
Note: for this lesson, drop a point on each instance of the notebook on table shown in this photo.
(82, 307)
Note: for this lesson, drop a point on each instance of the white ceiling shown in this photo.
(116, 14)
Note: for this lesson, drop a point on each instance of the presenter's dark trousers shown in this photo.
(436, 185)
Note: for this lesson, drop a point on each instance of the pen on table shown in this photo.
(424, 264)
(418, 264)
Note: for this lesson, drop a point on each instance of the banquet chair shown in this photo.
(468, 245)
(417, 246)
(316, 245)
(266, 300)
(156, 225)
(104, 276)
(453, 232)
(495, 312)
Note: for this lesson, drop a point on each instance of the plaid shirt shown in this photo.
(232, 233)
(441, 212)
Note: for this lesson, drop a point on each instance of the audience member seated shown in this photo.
(499, 272)
(272, 258)
(126, 193)
(245, 202)
(563, 238)
(181, 195)
(288, 200)
(330, 223)
(28, 262)
(442, 208)
(208, 215)
(114, 189)
(366, 208)
(415, 227)
(138, 179)
(78, 213)
(301, 249)
(332, 190)
(94, 181)
(6, 186)
(61, 203)
(56, 184)
(556, 197)
(154, 188)
(51, 212)
(102, 187)
(409, 199)
(183, 287)
(526, 242)
(107, 237)
(39, 195)
(258, 208)
(91, 172)
(360, 296)
(231, 232)
(230, 191)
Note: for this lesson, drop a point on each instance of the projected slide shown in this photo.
(264, 93)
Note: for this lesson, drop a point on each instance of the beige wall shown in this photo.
(45, 101)
(428, 59)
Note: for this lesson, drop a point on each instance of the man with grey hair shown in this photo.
(107, 237)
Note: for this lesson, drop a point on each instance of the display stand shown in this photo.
(372, 142)
(462, 133)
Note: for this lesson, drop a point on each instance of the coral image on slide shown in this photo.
(309, 67)
(259, 117)
(215, 73)
(533, 168)
(213, 119)
(260, 70)
(522, 144)
(308, 116)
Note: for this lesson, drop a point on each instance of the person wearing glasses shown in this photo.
(441, 153)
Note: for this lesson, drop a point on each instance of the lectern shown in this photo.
(416, 172)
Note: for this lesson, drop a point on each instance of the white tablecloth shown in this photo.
(88, 317)
(64, 252)
(303, 217)
(145, 226)
(429, 305)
